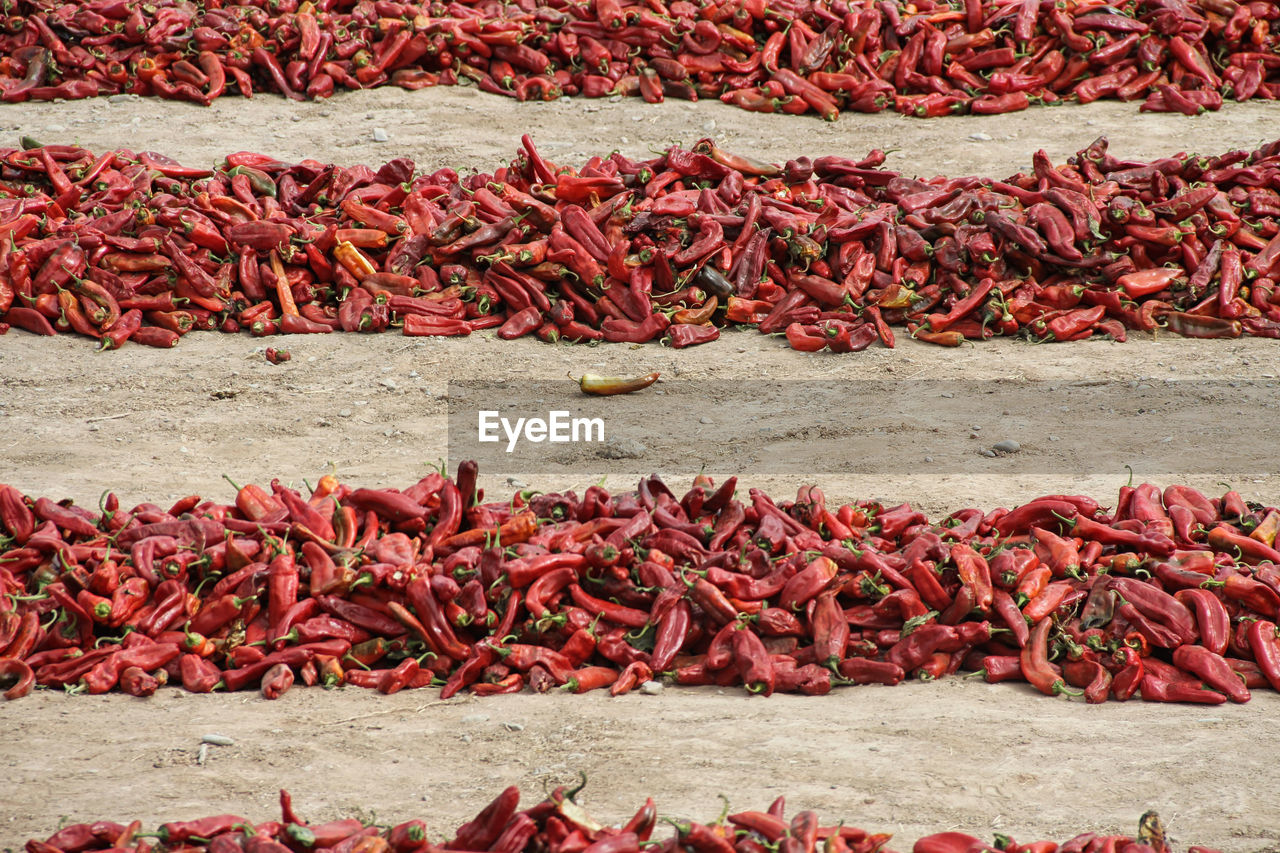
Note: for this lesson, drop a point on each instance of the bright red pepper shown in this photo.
(1035, 662)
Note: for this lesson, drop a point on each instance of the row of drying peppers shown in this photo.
(559, 824)
(832, 251)
(1172, 594)
(923, 58)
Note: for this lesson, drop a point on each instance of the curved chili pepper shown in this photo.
(606, 385)
(1213, 668)
(435, 628)
(1035, 662)
(276, 681)
(1157, 688)
(16, 677)
(1090, 675)
(830, 631)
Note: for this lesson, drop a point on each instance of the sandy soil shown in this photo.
(917, 759)
(911, 760)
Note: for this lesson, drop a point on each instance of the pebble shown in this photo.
(513, 727)
(388, 383)
(651, 688)
(203, 754)
(1006, 446)
(476, 718)
(973, 435)
(122, 99)
(344, 413)
(465, 738)
(1054, 438)
(218, 740)
(705, 420)
(380, 134)
(624, 448)
(516, 484)
(981, 137)
(928, 459)
(947, 395)
(988, 452)
(56, 128)
(324, 422)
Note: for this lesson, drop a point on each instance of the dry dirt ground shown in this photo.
(906, 424)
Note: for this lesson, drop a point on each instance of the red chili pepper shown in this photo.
(590, 678)
(199, 675)
(136, 681)
(1157, 688)
(15, 515)
(435, 326)
(1257, 596)
(119, 332)
(1212, 619)
(752, 662)
(1090, 675)
(868, 671)
(1213, 668)
(521, 323)
(974, 574)
(618, 614)
(177, 832)
(830, 630)
(214, 616)
(276, 681)
(1223, 538)
(1046, 602)
(436, 630)
(1263, 644)
(807, 583)
(999, 668)
(1035, 662)
(16, 677)
(1153, 543)
(402, 676)
(282, 590)
(408, 837)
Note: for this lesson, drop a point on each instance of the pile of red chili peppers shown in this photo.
(558, 824)
(924, 58)
(832, 252)
(1172, 593)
